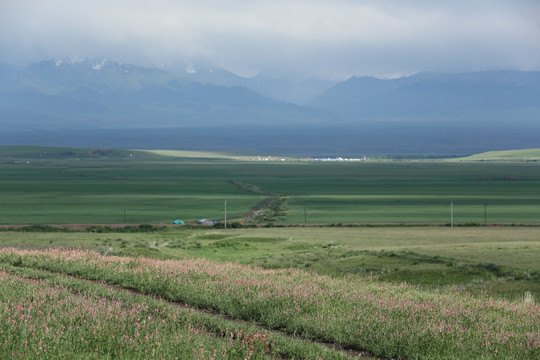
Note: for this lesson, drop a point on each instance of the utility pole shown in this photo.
(452, 214)
(124, 216)
(485, 214)
(305, 216)
(225, 214)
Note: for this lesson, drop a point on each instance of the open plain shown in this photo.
(334, 260)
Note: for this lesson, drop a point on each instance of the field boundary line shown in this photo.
(86, 227)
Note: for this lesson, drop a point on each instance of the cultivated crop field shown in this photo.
(93, 186)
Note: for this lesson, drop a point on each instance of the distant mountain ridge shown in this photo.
(99, 93)
(57, 77)
(295, 89)
(475, 96)
(96, 100)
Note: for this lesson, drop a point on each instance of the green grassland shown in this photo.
(41, 186)
(513, 155)
(500, 261)
(95, 186)
(55, 185)
(93, 320)
(282, 306)
(384, 288)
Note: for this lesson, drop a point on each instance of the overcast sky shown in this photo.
(333, 38)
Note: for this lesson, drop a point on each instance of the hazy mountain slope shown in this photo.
(293, 88)
(480, 96)
(98, 93)
(95, 101)
(5, 72)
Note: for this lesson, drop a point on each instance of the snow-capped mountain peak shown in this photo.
(95, 63)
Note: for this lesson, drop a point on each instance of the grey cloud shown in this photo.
(327, 38)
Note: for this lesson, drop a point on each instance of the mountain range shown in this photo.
(98, 93)
(476, 96)
(293, 89)
(423, 113)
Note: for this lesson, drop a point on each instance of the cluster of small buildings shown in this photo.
(269, 158)
(339, 158)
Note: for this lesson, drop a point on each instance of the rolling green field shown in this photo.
(92, 186)
(96, 186)
(383, 288)
(85, 319)
(499, 261)
(510, 155)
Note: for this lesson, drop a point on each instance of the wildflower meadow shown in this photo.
(380, 319)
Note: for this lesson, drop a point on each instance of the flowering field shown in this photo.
(390, 321)
(54, 317)
(41, 321)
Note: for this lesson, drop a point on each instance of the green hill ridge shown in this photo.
(523, 154)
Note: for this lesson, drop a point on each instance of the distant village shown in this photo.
(338, 158)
